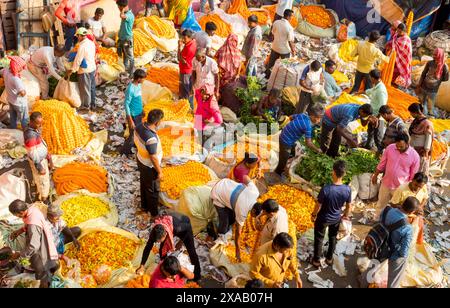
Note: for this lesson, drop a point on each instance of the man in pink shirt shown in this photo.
(399, 163)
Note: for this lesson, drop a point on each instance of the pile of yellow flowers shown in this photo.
(158, 26)
(440, 125)
(177, 141)
(237, 151)
(178, 111)
(178, 178)
(142, 42)
(102, 247)
(346, 50)
(108, 55)
(63, 130)
(299, 205)
(83, 208)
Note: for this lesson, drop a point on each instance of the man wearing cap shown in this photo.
(86, 76)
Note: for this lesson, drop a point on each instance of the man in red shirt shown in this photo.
(185, 57)
(170, 274)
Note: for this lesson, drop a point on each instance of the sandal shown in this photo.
(316, 264)
(329, 262)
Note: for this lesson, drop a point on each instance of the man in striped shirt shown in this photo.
(335, 122)
(38, 156)
(149, 157)
(300, 125)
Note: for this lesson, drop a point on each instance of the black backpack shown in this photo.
(376, 244)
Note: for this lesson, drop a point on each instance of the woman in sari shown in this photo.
(229, 60)
(401, 43)
(178, 11)
(249, 166)
(421, 132)
(207, 112)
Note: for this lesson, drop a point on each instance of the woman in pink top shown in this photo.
(170, 274)
(207, 111)
(247, 167)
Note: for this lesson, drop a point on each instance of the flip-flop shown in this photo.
(316, 264)
(329, 262)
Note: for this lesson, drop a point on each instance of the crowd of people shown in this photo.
(403, 168)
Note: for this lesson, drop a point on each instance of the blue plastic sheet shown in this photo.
(190, 22)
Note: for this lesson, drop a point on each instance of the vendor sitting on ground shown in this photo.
(233, 202)
(99, 30)
(170, 274)
(275, 221)
(165, 228)
(62, 234)
(269, 107)
(208, 111)
(249, 166)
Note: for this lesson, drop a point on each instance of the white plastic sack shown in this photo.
(285, 73)
(11, 188)
(67, 91)
(145, 58)
(366, 189)
(153, 91)
(220, 164)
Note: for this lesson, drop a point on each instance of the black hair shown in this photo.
(415, 108)
(60, 48)
(401, 137)
(35, 115)
(367, 109)
(270, 206)
(99, 10)
(315, 65)
(122, 3)
(154, 116)
(275, 92)
(421, 178)
(402, 27)
(283, 240)
(410, 205)
(171, 265)
(385, 109)
(316, 110)
(157, 233)
(188, 33)
(375, 74)
(252, 18)
(330, 63)
(250, 158)
(288, 13)
(257, 208)
(210, 26)
(254, 284)
(139, 73)
(339, 168)
(374, 36)
(18, 206)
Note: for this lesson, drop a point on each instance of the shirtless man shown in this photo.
(69, 13)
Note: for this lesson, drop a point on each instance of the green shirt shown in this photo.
(126, 26)
(378, 97)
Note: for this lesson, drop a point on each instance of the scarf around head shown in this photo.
(229, 56)
(440, 56)
(167, 222)
(16, 65)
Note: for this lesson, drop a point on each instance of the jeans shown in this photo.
(150, 188)
(274, 56)
(358, 79)
(227, 218)
(186, 88)
(202, 5)
(126, 51)
(129, 143)
(18, 113)
(330, 140)
(252, 67)
(428, 100)
(284, 154)
(71, 40)
(319, 234)
(304, 103)
(86, 83)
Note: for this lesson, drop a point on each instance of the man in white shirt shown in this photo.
(206, 71)
(203, 38)
(282, 6)
(277, 221)
(233, 201)
(86, 76)
(283, 40)
(42, 64)
(98, 28)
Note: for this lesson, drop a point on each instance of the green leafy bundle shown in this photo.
(249, 96)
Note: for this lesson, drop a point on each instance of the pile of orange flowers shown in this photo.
(240, 7)
(272, 9)
(108, 55)
(178, 141)
(237, 151)
(140, 282)
(223, 29)
(230, 251)
(192, 285)
(317, 16)
(399, 101)
(299, 205)
(75, 176)
(178, 111)
(438, 150)
(164, 76)
(102, 247)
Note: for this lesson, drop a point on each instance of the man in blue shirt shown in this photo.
(300, 125)
(125, 43)
(133, 107)
(331, 88)
(335, 122)
(399, 240)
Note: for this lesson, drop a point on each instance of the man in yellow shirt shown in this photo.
(416, 188)
(368, 54)
(273, 260)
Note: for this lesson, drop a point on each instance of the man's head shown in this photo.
(18, 208)
(59, 51)
(254, 284)
(122, 4)
(158, 234)
(282, 242)
(375, 76)
(186, 36)
(316, 113)
(410, 205)
(315, 66)
(252, 21)
(365, 111)
(415, 110)
(155, 116)
(387, 113)
(139, 75)
(288, 14)
(251, 160)
(210, 28)
(401, 29)
(374, 36)
(170, 267)
(256, 209)
(274, 97)
(339, 170)
(200, 55)
(270, 207)
(402, 142)
(99, 12)
(54, 213)
(36, 120)
(419, 181)
(81, 33)
(330, 66)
